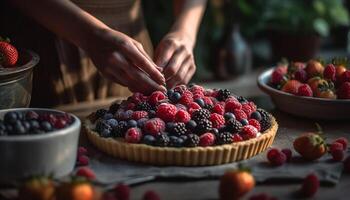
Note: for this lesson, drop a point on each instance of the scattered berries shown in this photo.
(288, 154)
(337, 155)
(86, 172)
(276, 157)
(83, 160)
(310, 185)
(122, 192)
(150, 195)
(343, 141)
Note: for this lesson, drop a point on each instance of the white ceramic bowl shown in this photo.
(52, 153)
(309, 107)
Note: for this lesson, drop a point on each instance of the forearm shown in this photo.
(63, 18)
(188, 16)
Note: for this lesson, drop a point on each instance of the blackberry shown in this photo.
(192, 140)
(242, 99)
(144, 106)
(223, 94)
(176, 141)
(200, 114)
(178, 129)
(114, 107)
(102, 127)
(265, 121)
(233, 126)
(162, 140)
(100, 113)
(120, 129)
(203, 126)
(208, 106)
(224, 138)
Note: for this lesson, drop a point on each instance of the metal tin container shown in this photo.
(52, 153)
(16, 82)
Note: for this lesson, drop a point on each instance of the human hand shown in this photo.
(175, 54)
(123, 60)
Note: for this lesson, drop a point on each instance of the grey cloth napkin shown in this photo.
(110, 171)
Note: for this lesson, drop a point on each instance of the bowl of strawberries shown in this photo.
(315, 89)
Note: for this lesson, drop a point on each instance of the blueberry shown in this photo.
(229, 115)
(148, 139)
(9, 128)
(112, 122)
(108, 116)
(106, 133)
(10, 117)
(215, 131)
(244, 122)
(175, 97)
(141, 122)
(3, 132)
(256, 115)
(183, 137)
(46, 126)
(2, 126)
(34, 125)
(170, 92)
(19, 129)
(169, 126)
(132, 123)
(20, 116)
(32, 115)
(26, 125)
(151, 114)
(176, 141)
(200, 102)
(191, 125)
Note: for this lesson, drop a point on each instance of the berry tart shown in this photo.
(186, 126)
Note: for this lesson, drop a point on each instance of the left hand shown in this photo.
(175, 54)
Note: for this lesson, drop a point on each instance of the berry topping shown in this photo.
(223, 94)
(177, 129)
(200, 114)
(162, 140)
(203, 126)
(176, 141)
(192, 140)
(207, 139)
(156, 97)
(310, 185)
(133, 135)
(217, 120)
(240, 114)
(248, 132)
(149, 139)
(265, 121)
(139, 114)
(224, 138)
(219, 109)
(233, 126)
(254, 123)
(154, 126)
(166, 112)
(182, 116)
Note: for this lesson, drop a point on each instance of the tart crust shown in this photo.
(186, 156)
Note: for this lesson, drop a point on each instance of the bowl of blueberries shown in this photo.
(36, 142)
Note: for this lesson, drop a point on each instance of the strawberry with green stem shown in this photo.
(8, 53)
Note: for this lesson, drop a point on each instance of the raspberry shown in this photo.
(247, 109)
(207, 139)
(288, 154)
(276, 77)
(237, 138)
(305, 90)
(166, 112)
(231, 105)
(186, 98)
(249, 131)
(139, 114)
(329, 72)
(154, 126)
(197, 88)
(301, 75)
(86, 172)
(215, 93)
(137, 98)
(343, 141)
(219, 109)
(276, 158)
(180, 89)
(208, 92)
(310, 185)
(336, 146)
(133, 135)
(150, 195)
(217, 120)
(122, 192)
(82, 151)
(156, 97)
(198, 95)
(240, 114)
(345, 77)
(182, 116)
(337, 155)
(179, 106)
(131, 106)
(208, 101)
(347, 164)
(83, 160)
(193, 105)
(255, 123)
(344, 91)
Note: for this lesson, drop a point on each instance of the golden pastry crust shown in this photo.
(186, 156)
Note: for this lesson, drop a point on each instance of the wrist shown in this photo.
(187, 38)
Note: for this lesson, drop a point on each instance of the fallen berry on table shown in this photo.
(310, 146)
(335, 146)
(288, 154)
(86, 172)
(82, 151)
(83, 160)
(343, 141)
(150, 195)
(310, 185)
(108, 196)
(276, 157)
(337, 155)
(122, 192)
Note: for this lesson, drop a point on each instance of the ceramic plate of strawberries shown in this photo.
(315, 89)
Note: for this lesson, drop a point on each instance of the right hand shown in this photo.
(123, 60)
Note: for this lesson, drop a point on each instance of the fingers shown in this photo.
(189, 74)
(175, 62)
(181, 74)
(138, 58)
(164, 52)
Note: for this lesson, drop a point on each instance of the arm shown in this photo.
(175, 51)
(117, 56)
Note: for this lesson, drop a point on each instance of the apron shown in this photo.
(65, 74)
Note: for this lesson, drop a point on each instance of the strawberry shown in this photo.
(291, 86)
(329, 72)
(310, 185)
(8, 54)
(301, 75)
(235, 184)
(314, 68)
(276, 77)
(344, 91)
(40, 188)
(310, 146)
(345, 77)
(305, 90)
